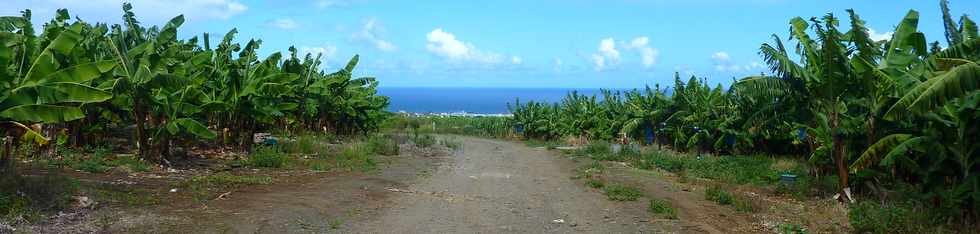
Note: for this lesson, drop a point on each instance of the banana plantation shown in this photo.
(76, 83)
(895, 113)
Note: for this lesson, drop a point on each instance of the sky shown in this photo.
(513, 43)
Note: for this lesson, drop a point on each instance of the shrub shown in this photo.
(424, 140)
(383, 145)
(267, 157)
(306, 144)
(622, 193)
(718, 195)
(356, 157)
(662, 207)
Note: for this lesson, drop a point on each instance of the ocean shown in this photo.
(470, 100)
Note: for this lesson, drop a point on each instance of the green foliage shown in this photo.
(718, 195)
(382, 144)
(30, 197)
(721, 196)
(306, 144)
(594, 183)
(270, 157)
(870, 216)
(785, 228)
(617, 192)
(483, 126)
(356, 157)
(424, 140)
(662, 208)
(205, 187)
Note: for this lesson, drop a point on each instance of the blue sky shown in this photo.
(513, 43)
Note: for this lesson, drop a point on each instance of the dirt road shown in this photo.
(492, 186)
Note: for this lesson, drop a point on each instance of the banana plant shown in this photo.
(45, 87)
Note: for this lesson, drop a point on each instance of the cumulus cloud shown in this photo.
(558, 65)
(369, 34)
(879, 36)
(151, 11)
(723, 63)
(516, 60)
(608, 55)
(445, 44)
(648, 55)
(285, 23)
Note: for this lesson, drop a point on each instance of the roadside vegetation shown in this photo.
(891, 121)
(86, 101)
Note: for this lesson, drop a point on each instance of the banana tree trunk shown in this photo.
(6, 159)
(139, 115)
(838, 155)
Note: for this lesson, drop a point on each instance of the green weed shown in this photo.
(662, 207)
(718, 195)
(618, 192)
(383, 145)
(592, 183)
(424, 140)
(269, 157)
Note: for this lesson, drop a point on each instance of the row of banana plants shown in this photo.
(87, 82)
(870, 112)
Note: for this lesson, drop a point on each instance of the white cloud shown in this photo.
(285, 23)
(879, 36)
(607, 55)
(558, 64)
(369, 34)
(721, 57)
(148, 11)
(516, 60)
(648, 55)
(723, 63)
(445, 44)
(328, 51)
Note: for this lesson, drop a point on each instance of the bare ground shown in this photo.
(488, 186)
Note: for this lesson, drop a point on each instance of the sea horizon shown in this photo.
(473, 100)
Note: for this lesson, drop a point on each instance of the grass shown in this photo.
(593, 183)
(785, 228)
(723, 197)
(451, 143)
(718, 195)
(29, 198)
(896, 217)
(618, 192)
(662, 208)
(356, 157)
(589, 171)
(382, 145)
(424, 140)
(335, 223)
(204, 187)
(307, 143)
(125, 195)
(96, 160)
(268, 157)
